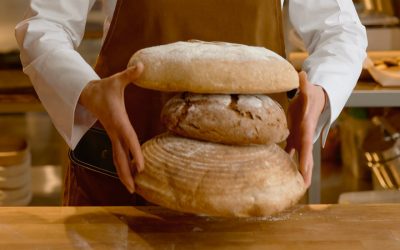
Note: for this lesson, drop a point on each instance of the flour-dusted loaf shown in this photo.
(216, 179)
(229, 119)
(214, 67)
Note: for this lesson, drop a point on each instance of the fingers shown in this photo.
(303, 81)
(292, 152)
(125, 141)
(121, 163)
(304, 112)
(307, 175)
(132, 142)
(306, 161)
(130, 74)
(290, 145)
(303, 145)
(105, 99)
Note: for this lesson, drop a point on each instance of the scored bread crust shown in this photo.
(214, 67)
(216, 179)
(229, 119)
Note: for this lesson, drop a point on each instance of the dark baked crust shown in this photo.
(229, 119)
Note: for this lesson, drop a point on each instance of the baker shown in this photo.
(104, 119)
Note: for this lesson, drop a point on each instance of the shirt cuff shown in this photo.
(83, 121)
(59, 78)
(324, 121)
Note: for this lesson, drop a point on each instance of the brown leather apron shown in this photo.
(138, 24)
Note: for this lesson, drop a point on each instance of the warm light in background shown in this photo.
(11, 12)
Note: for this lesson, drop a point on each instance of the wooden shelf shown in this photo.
(20, 107)
(17, 94)
(371, 94)
(13, 79)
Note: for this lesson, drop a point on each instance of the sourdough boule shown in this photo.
(229, 119)
(216, 179)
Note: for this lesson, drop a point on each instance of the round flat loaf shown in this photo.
(216, 179)
(214, 67)
(229, 119)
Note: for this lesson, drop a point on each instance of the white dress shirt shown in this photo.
(331, 30)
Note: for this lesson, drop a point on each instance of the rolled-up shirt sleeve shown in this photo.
(336, 41)
(47, 39)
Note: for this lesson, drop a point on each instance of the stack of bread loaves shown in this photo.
(220, 157)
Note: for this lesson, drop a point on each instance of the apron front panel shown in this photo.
(138, 24)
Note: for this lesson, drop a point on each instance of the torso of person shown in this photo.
(143, 23)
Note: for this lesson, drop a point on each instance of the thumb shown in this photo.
(130, 74)
(303, 81)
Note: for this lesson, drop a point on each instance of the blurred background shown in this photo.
(360, 162)
(25, 128)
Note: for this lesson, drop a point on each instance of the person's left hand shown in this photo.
(105, 99)
(303, 115)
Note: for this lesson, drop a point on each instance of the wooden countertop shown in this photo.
(301, 227)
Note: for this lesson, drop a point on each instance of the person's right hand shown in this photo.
(105, 99)
(303, 115)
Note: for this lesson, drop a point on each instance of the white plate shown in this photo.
(19, 202)
(15, 181)
(386, 76)
(15, 170)
(10, 195)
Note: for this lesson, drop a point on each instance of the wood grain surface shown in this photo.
(301, 227)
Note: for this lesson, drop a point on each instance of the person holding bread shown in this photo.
(104, 119)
